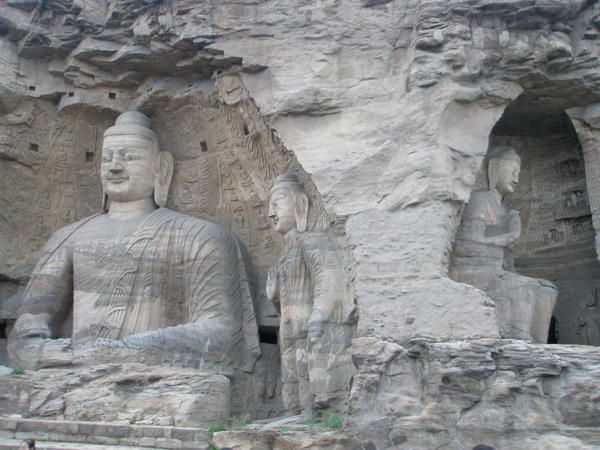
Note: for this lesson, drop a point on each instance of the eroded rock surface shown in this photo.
(503, 393)
(388, 105)
(127, 393)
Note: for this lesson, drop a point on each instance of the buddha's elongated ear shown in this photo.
(301, 210)
(104, 201)
(492, 173)
(163, 177)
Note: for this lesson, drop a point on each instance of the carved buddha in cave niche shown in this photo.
(309, 288)
(523, 305)
(139, 276)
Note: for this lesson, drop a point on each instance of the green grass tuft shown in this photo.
(331, 420)
(214, 426)
(241, 422)
(18, 370)
(325, 420)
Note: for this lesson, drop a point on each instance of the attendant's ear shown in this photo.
(163, 177)
(301, 210)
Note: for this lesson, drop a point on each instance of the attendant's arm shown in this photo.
(272, 288)
(332, 302)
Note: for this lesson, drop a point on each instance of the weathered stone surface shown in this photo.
(278, 440)
(460, 394)
(524, 305)
(87, 435)
(388, 105)
(125, 393)
(310, 288)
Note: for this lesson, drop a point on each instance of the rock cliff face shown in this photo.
(387, 107)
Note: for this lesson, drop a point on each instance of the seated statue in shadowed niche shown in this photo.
(523, 305)
(138, 277)
(309, 287)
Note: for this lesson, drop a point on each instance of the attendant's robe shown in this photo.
(170, 284)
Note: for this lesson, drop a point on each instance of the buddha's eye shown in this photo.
(106, 157)
(131, 157)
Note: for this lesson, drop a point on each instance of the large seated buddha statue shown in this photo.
(138, 277)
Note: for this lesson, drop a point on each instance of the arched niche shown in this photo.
(226, 159)
(557, 241)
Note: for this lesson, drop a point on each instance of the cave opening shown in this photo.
(557, 241)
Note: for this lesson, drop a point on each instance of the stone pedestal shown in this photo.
(123, 393)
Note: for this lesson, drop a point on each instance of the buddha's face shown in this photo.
(281, 210)
(508, 176)
(128, 167)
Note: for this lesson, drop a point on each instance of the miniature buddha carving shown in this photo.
(523, 305)
(139, 276)
(309, 287)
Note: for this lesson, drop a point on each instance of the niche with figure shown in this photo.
(557, 239)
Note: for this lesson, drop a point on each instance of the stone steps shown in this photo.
(61, 434)
(13, 444)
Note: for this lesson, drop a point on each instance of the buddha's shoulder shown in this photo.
(68, 230)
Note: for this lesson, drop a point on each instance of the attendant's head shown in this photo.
(504, 165)
(133, 167)
(288, 204)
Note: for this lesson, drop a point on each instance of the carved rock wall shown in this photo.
(388, 105)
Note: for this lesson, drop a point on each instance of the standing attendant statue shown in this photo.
(523, 305)
(309, 287)
(138, 276)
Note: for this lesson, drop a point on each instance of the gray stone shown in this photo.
(524, 305)
(386, 110)
(120, 263)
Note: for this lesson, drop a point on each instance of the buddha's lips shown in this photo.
(117, 180)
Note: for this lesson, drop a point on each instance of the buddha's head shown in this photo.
(288, 204)
(133, 167)
(504, 165)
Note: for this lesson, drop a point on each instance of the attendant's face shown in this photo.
(128, 167)
(508, 176)
(281, 210)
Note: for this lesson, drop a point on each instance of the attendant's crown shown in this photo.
(287, 180)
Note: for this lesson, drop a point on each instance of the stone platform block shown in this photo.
(124, 394)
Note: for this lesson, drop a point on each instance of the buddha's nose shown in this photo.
(116, 167)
